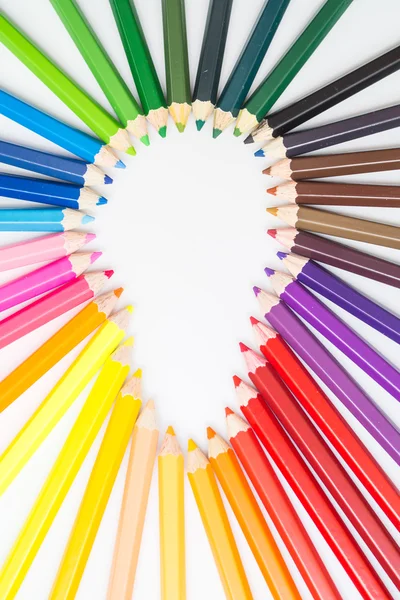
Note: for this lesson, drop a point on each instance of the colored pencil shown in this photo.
(275, 415)
(96, 496)
(64, 471)
(323, 364)
(54, 193)
(319, 407)
(210, 61)
(89, 111)
(62, 396)
(336, 165)
(216, 525)
(57, 346)
(45, 278)
(310, 140)
(319, 316)
(329, 223)
(244, 505)
(53, 165)
(179, 98)
(246, 68)
(279, 508)
(103, 69)
(134, 503)
(172, 518)
(46, 248)
(290, 117)
(50, 306)
(42, 219)
(141, 64)
(338, 194)
(273, 86)
(337, 255)
(73, 140)
(342, 294)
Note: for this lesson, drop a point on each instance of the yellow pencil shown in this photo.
(216, 524)
(96, 496)
(56, 404)
(172, 518)
(64, 471)
(134, 504)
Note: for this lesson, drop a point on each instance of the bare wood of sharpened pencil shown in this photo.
(328, 223)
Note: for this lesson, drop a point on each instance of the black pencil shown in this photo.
(282, 121)
(309, 140)
(210, 62)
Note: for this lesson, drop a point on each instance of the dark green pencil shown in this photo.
(141, 64)
(273, 86)
(247, 66)
(211, 57)
(176, 62)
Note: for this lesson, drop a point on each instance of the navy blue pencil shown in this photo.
(44, 191)
(42, 219)
(53, 165)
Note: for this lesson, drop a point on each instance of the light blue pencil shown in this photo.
(75, 141)
(42, 219)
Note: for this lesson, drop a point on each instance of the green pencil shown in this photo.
(117, 92)
(273, 86)
(141, 64)
(91, 113)
(176, 62)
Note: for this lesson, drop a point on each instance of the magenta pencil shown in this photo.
(51, 306)
(323, 364)
(43, 249)
(45, 278)
(305, 304)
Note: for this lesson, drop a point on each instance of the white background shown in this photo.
(185, 232)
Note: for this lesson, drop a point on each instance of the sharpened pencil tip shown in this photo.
(101, 201)
(273, 210)
(90, 237)
(87, 219)
(259, 153)
(237, 132)
(256, 290)
(163, 131)
(200, 124)
(95, 256)
(118, 292)
(129, 308)
(272, 190)
(210, 433)
(249, 140)
(282, 255)
(269, 271)
(109, 273)
(180, 127)
(191, 445)
(272, 232)
(170, 430)
(267, 171)
(216, 133)
(228, 411)
(138, 374)
(120, 165)
(236, 381)
(254, 321)
(131, 151)
(108, 180)
(243, 347)
(145, 140)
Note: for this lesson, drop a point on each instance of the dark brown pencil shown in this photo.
(337, 194)
(337, 255)
(336, 165)
(328, 223)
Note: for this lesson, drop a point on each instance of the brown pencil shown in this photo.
(337, 194)
(328, 223)
(335, 165)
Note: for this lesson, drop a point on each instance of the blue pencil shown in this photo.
(53, 165)
(75, 141)
(44, 191)
(42, 219)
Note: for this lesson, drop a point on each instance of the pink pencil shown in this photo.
(43, 249)
(51, 306)
(45, 278)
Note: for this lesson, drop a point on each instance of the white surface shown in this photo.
(185, 232)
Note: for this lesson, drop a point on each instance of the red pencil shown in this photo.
(323, 412)
(311, 495)
(279, 508)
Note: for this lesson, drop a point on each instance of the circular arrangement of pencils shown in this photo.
(287, 422)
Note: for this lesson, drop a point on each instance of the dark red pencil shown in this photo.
(311, 495)
(279, 508)
(319, 407)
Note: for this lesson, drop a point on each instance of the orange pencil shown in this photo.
(62, 342)
(244, 505)
(216, 525)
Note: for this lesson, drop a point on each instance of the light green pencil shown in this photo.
(117, 92)
(91, 113)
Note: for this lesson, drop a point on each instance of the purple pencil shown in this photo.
(305, 304)
(335, 289)
(306, 345)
